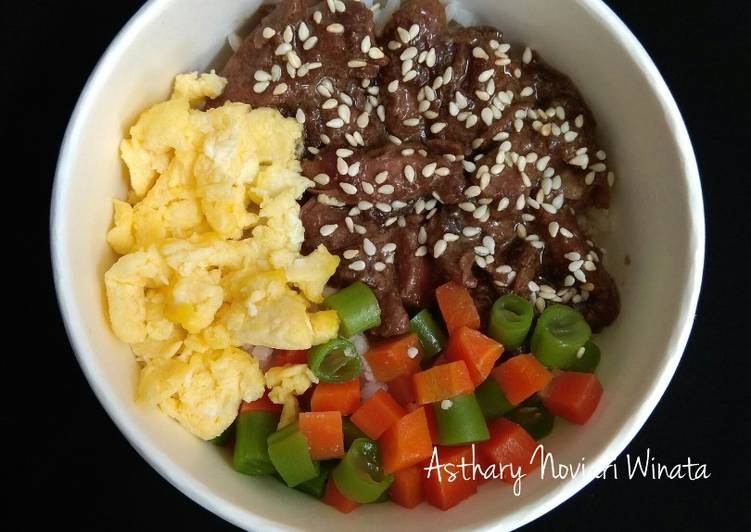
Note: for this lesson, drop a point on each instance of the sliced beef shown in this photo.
(315, 65)
(387, 177)
(438, 153)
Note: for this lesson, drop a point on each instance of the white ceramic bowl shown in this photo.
(657, 217)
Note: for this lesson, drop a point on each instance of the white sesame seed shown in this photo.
(386, 189)
(262, 75)
(329, 104)
(412, 352)
(283, 49)
(471, 121)
(351, 254)
(260, 86)
(288, 35)
(409, 53)
(467, 206)
(389, 247)
(599, 167)
(280, 89)
(344, 113)
(354, 169)
(381, 177)
(558, 201)
(335, 28)
(367, 187)
(473, 191)
(411, 122)
(487, 117)
(356, 63)
(268, 33)
(421, 251)
(341, 166)
(327, 230)
(480, 212)
(520, 202)
(368, 247)
(611, 179)
(589, 266)
(348, 188)
(403, 35)
(429, 169)
(322, 179)
(439, 248)
(575, 265)
(446, 404)
(479, 53)
(409, 173)
(580, 160)
(383, 207)
(450, 237)
(365, 44)
(357, 266)
(335, 123)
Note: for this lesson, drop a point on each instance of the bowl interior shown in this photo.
(656, 218)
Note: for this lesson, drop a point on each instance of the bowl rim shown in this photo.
(241, 516)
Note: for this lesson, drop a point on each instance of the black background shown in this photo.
(81, 472)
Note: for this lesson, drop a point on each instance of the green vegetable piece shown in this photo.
(359, 476)
(288, 450)
(461, 422)
(351, 432)
(431, 336)
(534, 419)
(335, 361)
(492, 400)
(316, 486)
(251, 455)
(510, 321)
(559, 333)
(357, 307)
(588, 362)
(225, 437)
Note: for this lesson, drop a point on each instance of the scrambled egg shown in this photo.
(210, 241)
(286, 381)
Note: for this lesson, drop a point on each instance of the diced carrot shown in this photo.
(333, 497)
(477, 350)
(324, 433)
(520, 377)
(263, 404)
(572, 396)
(511, 447)
(377, 414)
(457, 307)
(442, 382)
(432, 425)
(396, 357)
(440, 490)
(403, 390)
(406, 490)
(406, 443)
(282, 357)
(343, 397)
